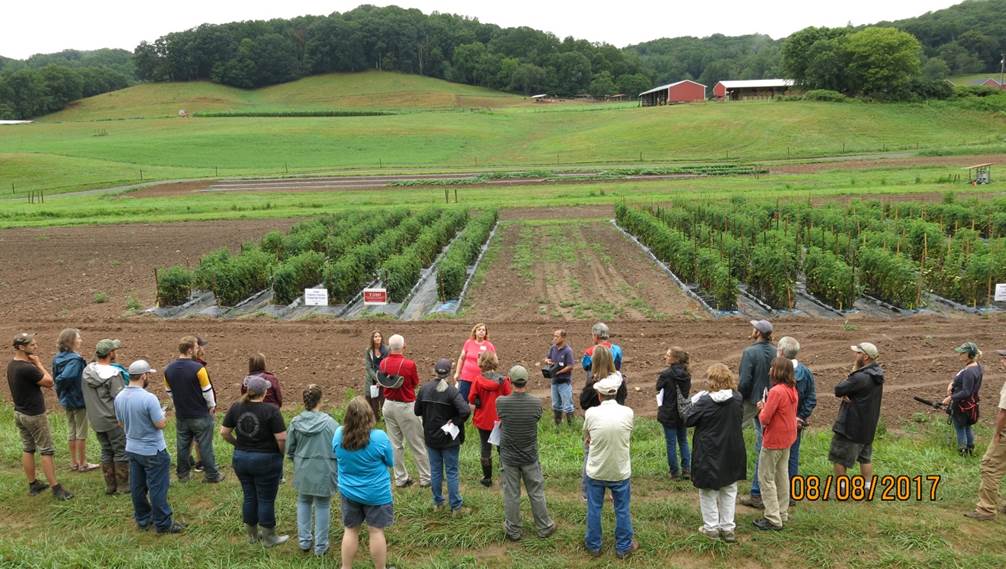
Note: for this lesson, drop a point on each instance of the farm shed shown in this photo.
(751, 89)
(681, 92)
(990, 83)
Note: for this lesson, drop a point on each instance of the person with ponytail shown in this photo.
(314, 470)
(962, 397)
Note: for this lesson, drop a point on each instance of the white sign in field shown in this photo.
(375, 296)
(1000, 292)
(316, 297)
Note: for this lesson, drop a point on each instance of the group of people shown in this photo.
(772, 390)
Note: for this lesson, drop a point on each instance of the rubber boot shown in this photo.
(269, 537)
(122, 477)
(557, 417)
(108, 470)
(252, 530)
(487, 472)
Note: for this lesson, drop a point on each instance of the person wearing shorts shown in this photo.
(26, 376)
(854, 429)
(67, 371)
(364, 455)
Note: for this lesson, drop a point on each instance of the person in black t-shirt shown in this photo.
(257, 431)
(26, 376)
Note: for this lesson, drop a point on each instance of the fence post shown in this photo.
(141, 175)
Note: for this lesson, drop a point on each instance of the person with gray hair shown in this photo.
(600, 334)
(806, 391)
(753, 384)
(399, 376)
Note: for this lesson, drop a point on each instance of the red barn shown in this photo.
(751, 89)
(991, 83)
(681, 92)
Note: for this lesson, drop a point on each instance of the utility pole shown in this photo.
(1002, 70)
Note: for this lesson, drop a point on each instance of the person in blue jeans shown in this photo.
(560, 356)
(674, 382)
(258, 433)
(962, 397)
(141, 417)
(806, 392)
(309, 446)
(441, 405)
(188, 384)
(607, 428)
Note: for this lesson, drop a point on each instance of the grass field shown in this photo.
(72, 150)
(93, 530)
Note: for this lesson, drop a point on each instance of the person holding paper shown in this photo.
(489, 385)
(519, 415)
(444, 412)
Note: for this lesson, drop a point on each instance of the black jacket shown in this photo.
(718, 454)
(588, 397)
(675, 381)
(438, 407)
(858, 417)
(752, 376)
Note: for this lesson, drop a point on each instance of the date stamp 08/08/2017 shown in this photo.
(887, 488)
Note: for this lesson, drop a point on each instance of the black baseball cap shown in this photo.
(443, 366)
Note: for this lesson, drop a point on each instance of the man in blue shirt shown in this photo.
(560, 357)
(139, 413)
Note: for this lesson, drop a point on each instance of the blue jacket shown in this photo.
(806, 391)
(67, 368)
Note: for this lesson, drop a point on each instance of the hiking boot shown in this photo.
(753, 502)
(592, 552)
(60, 493)
(174, 528)
(219, 478)
(548, 532)
(184, 477)
(980, 516)
(487, 472)
(425, 484)
(252, 531)
(557, 417)
(460, 512)
(686, 474)
(710, 533)
(405, 484)
(728, 536)
(270, 539)
(765, 525)
(625, 554)
(36, 487)
(569, 419)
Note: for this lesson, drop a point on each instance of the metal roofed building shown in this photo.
(752, 89)
(686, 91)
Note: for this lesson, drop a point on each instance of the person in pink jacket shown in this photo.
(777, 414)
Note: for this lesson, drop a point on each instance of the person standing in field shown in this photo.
(404, 427)
(719, 458)
(607, 429)
(376, 352)
(443, 410)
(139, 413)
(101, 383)
(519, 414)
(364, 455)
(806, 391)
(854, 429)
(188, 384)
(467, 370)
(673, 383)
(309, 446)
(26, 376)
(753, 384)
(963, 397)
(67, 370)
(603, 365)
(560, 356)
(256, 368)
(777, 414)
(600, 334)
(489, 385)
(993, 467)
(258, 433)
(200, 357)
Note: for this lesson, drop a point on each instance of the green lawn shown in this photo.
(93, 530)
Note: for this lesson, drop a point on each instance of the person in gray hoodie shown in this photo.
(309, 446)
(101, 382)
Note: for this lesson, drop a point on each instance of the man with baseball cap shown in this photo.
(139, 412)
(859, 413)
(444, 412)
(101, 382)
(753, 385)
(993, 467)
(26, 376)
(519, 414)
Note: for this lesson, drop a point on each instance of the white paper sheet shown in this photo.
(451, 429)
(494, 437)
(660, 398)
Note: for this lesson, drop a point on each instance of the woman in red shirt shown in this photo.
(467, 369)
(777, 413)
(487, 387)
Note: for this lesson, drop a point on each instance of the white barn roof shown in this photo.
(668, 86)
(757, 83)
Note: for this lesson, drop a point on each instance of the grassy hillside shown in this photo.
(335, 91)
(69, 155)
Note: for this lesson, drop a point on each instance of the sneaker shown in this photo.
(405, 484)
(184, 477)
(175, 528)
(765, 525)
(624, 554)
(143, 528)
(512, 537)
(198, 467)
(548, 532)
(728, 536)
(439, 507)
(487, 482)
(60, 493)
(219, 478)
(753, 502)
(424, 484)
(980, 516)
(321, 552)
(710, 533)
(37, 487)
(686, 474)
(592, 552)
(460, 512)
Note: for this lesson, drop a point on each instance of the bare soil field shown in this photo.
(50, 278)
(873, 164)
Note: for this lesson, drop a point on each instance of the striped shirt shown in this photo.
(519, 414)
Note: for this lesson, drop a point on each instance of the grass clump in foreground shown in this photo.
(93, 530)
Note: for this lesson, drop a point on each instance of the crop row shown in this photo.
(453, 268)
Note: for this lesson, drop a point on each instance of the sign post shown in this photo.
(375, 296)
(1000, 292)
(316, 297)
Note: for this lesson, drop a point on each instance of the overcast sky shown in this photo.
(30, 27)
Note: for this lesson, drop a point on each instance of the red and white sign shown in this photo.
(375, 296)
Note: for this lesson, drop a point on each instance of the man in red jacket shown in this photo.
(400, 419)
